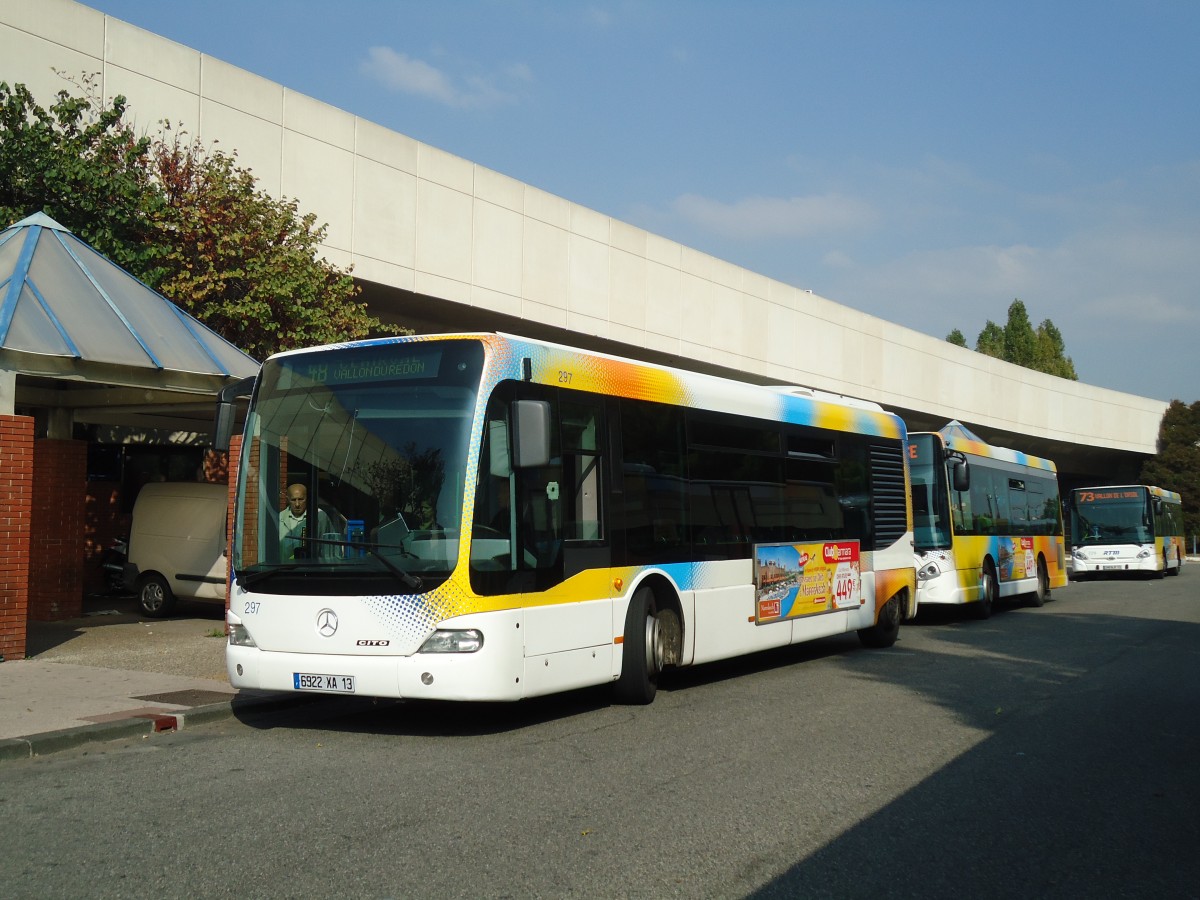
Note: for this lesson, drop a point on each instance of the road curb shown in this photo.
(49, 742)
(68, 738)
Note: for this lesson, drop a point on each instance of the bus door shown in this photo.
(548, 513)
(582, 486)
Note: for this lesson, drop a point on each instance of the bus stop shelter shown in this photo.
(82, 342)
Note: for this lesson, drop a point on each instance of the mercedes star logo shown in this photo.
(326, 623)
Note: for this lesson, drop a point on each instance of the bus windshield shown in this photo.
(930, 498)
(1114, 517)
(353, 467)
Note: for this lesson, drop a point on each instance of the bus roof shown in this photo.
(957, 436)
(602, 373)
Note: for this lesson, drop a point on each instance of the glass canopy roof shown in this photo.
(64, 307)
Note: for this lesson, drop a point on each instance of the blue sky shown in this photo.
(925, 162)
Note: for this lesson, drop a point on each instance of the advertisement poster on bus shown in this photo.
(796, 580)
(1017, 558)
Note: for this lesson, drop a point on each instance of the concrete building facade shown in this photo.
(440, 243)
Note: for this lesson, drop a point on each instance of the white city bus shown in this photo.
(1126, 528)
(502, 518)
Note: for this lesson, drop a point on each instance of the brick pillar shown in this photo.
(57, 529)
(231, 467)
(16, 499)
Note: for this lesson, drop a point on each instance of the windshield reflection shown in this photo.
(1112, 523)
(353, 468)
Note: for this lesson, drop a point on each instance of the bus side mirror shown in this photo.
(960, 475)
(227, 411)
(531, 433)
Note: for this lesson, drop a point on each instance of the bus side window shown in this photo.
(989, 503)
(653, 474)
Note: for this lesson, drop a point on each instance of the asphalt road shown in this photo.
(1043, 753)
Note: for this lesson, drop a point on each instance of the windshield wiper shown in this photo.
(249, 579)
(412, 582)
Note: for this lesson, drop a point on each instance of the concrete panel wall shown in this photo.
(411, 216)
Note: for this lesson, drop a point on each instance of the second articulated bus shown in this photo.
(987, 521)
(491, 518)
(1126, 528)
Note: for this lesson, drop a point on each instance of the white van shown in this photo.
(177, 545)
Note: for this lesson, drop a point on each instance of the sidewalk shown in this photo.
(113, 674)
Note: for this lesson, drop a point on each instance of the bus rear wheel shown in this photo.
(885, 631)
(642, 651)
(985, 604)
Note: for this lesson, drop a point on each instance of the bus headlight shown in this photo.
(930, 570)
(1079, 554)
(1144, 552)
(240, 637)
(467, 641)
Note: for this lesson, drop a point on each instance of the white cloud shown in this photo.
(837, 259)
(599, 16)
(406, 75)
(1106, 290)
(519, 72)
(399, 72)
(968, 278)
(1144, 308)
(754, 218)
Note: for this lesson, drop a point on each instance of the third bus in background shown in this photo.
(1126, 528)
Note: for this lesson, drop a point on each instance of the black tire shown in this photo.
(642, 652)
(1041, 593)
(982, 608)
(885, 631)
(154, 596)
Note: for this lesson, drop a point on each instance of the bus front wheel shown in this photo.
(642, 651)
(985, 604)
(1041, 593)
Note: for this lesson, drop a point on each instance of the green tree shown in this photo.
(1017, 342)
(1020, 342)
(1052, 352)
(190, 223)
(1177, 465)
(991, 340)
(245, 264)
(82, 166)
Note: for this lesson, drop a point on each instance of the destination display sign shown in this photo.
(384, 364)
(1083, 497)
